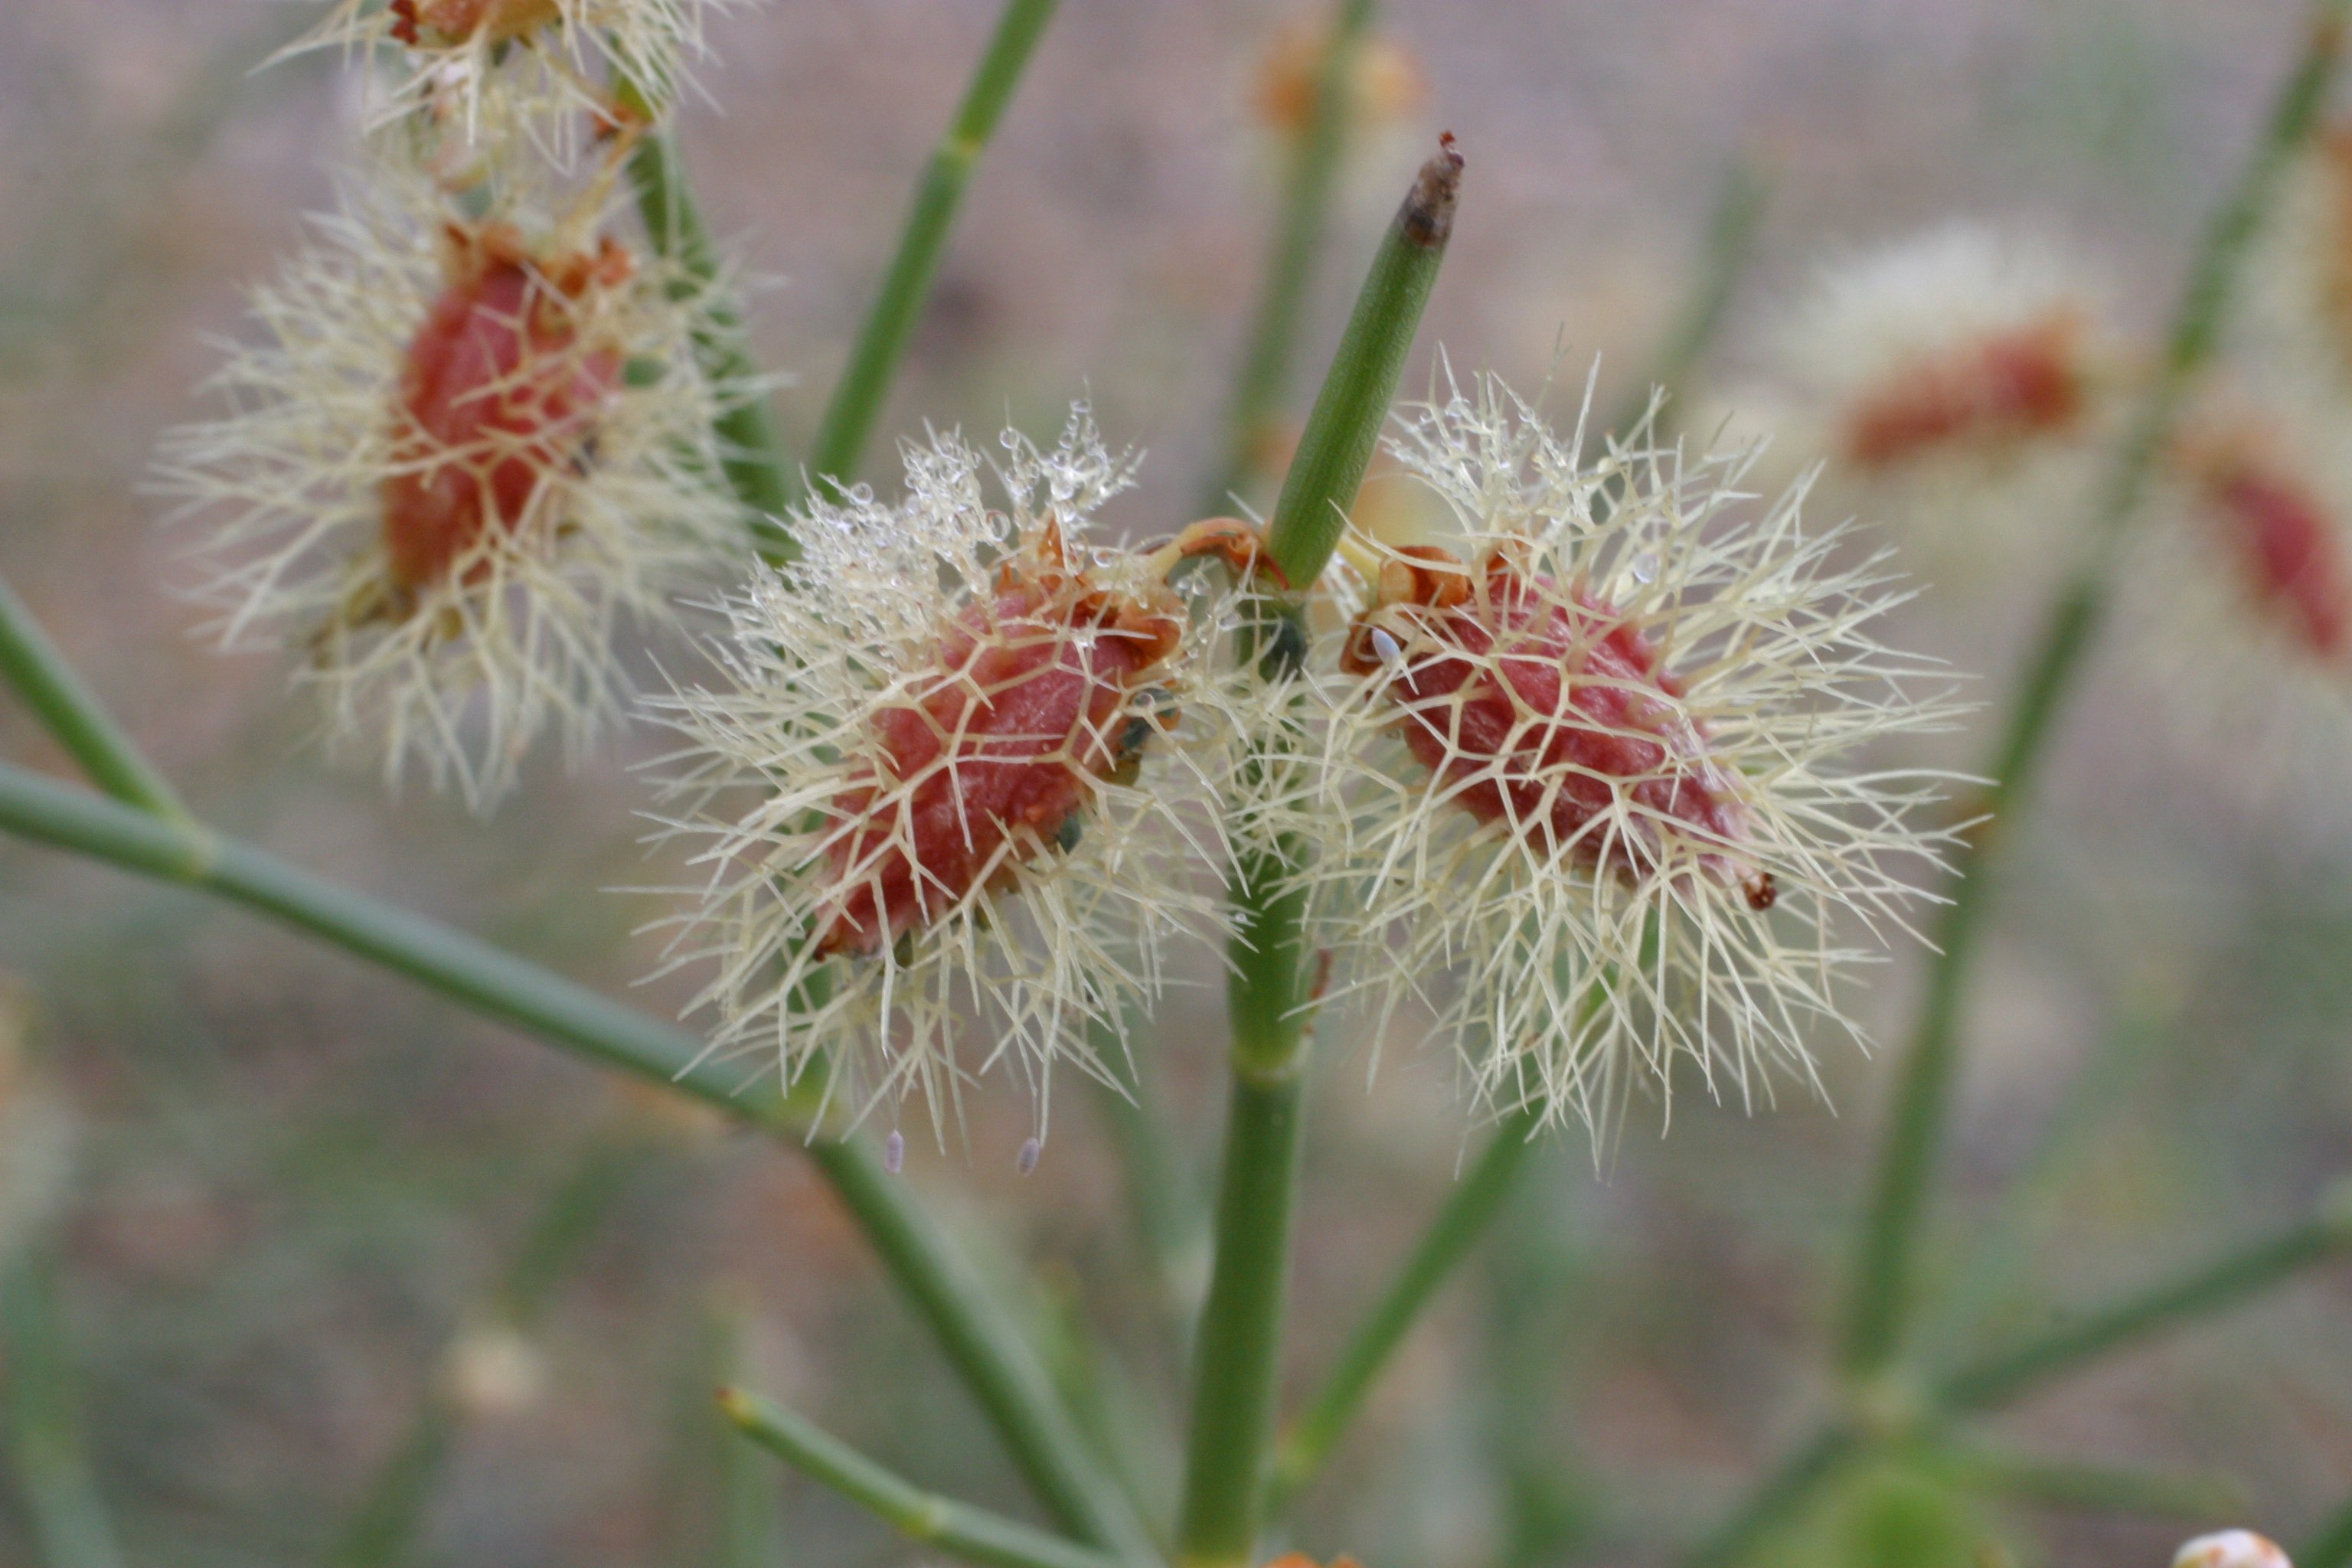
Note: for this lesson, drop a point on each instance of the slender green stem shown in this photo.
(1880, 1302)
(1476, 1199)
(991, 1358)
(1238, 1351)
(71, 713)
(1345, 424)
(2224, 1282)
(1272, 341)
(972, 1533)
(1005, 1373)
(53, 1475)
(2071, 1483)
(382, 1530)
(865, 382)
(750, 451)
(2010, 1374)
(1722, 255)
(2330, 1545)
(1779, 1499)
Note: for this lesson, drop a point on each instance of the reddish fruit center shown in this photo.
(988, 762)
(418, 22)
(2020, 382)
(495, 396)
(2287, 546)
(1552, 710)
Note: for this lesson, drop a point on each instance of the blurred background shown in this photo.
(301, 1237)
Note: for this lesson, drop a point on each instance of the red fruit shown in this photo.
(454, 21)
(496, 394)
(1544, 708)
(2289, 551)
(990, 758)
(2020, 382)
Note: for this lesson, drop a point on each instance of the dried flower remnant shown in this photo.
(2232, 1549)
(460, 456)
(971, 740)
(1385, 82)
(1594, 761)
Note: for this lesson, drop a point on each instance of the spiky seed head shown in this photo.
(1597, 761)
(1963, 344)
(2232, 1549)
(464, 448)
(484, 71)
(951, 771)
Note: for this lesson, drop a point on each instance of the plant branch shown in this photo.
(2221, 1283)
(881, 343)
(972, 1533)
(73, 715)
(1272, 990)
(1730, 236)
(1468, 1209)
(750, 451)
(993, 1359)
(1879, 1300)
(1273, 341)
(1345, 425)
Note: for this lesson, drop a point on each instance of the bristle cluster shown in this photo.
(1596, 760)
(953, 766)
(482, 73)
(464, 448)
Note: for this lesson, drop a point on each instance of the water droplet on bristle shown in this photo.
(893, 1153)
(1385, 647)
(1026, 1161)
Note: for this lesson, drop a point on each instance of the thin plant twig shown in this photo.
(972, 1533)
(1238, 1352)
(1272, 345)
(1879, 1305)
(858, 395)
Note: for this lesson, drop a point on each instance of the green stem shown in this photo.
(2009, 1375)
(999, 1368)
(1345, 424)
(865, 382)
(1723, 256)
(1239, 1349)
(1264, 379)
(972, 1533)
(72, 714)
(1005, 1375)
(1880, 1301)
(750, 451)
(2224, 1282)
(57, 1482)
(1779, 1499)
(1272, 985)
(1476, 1199)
